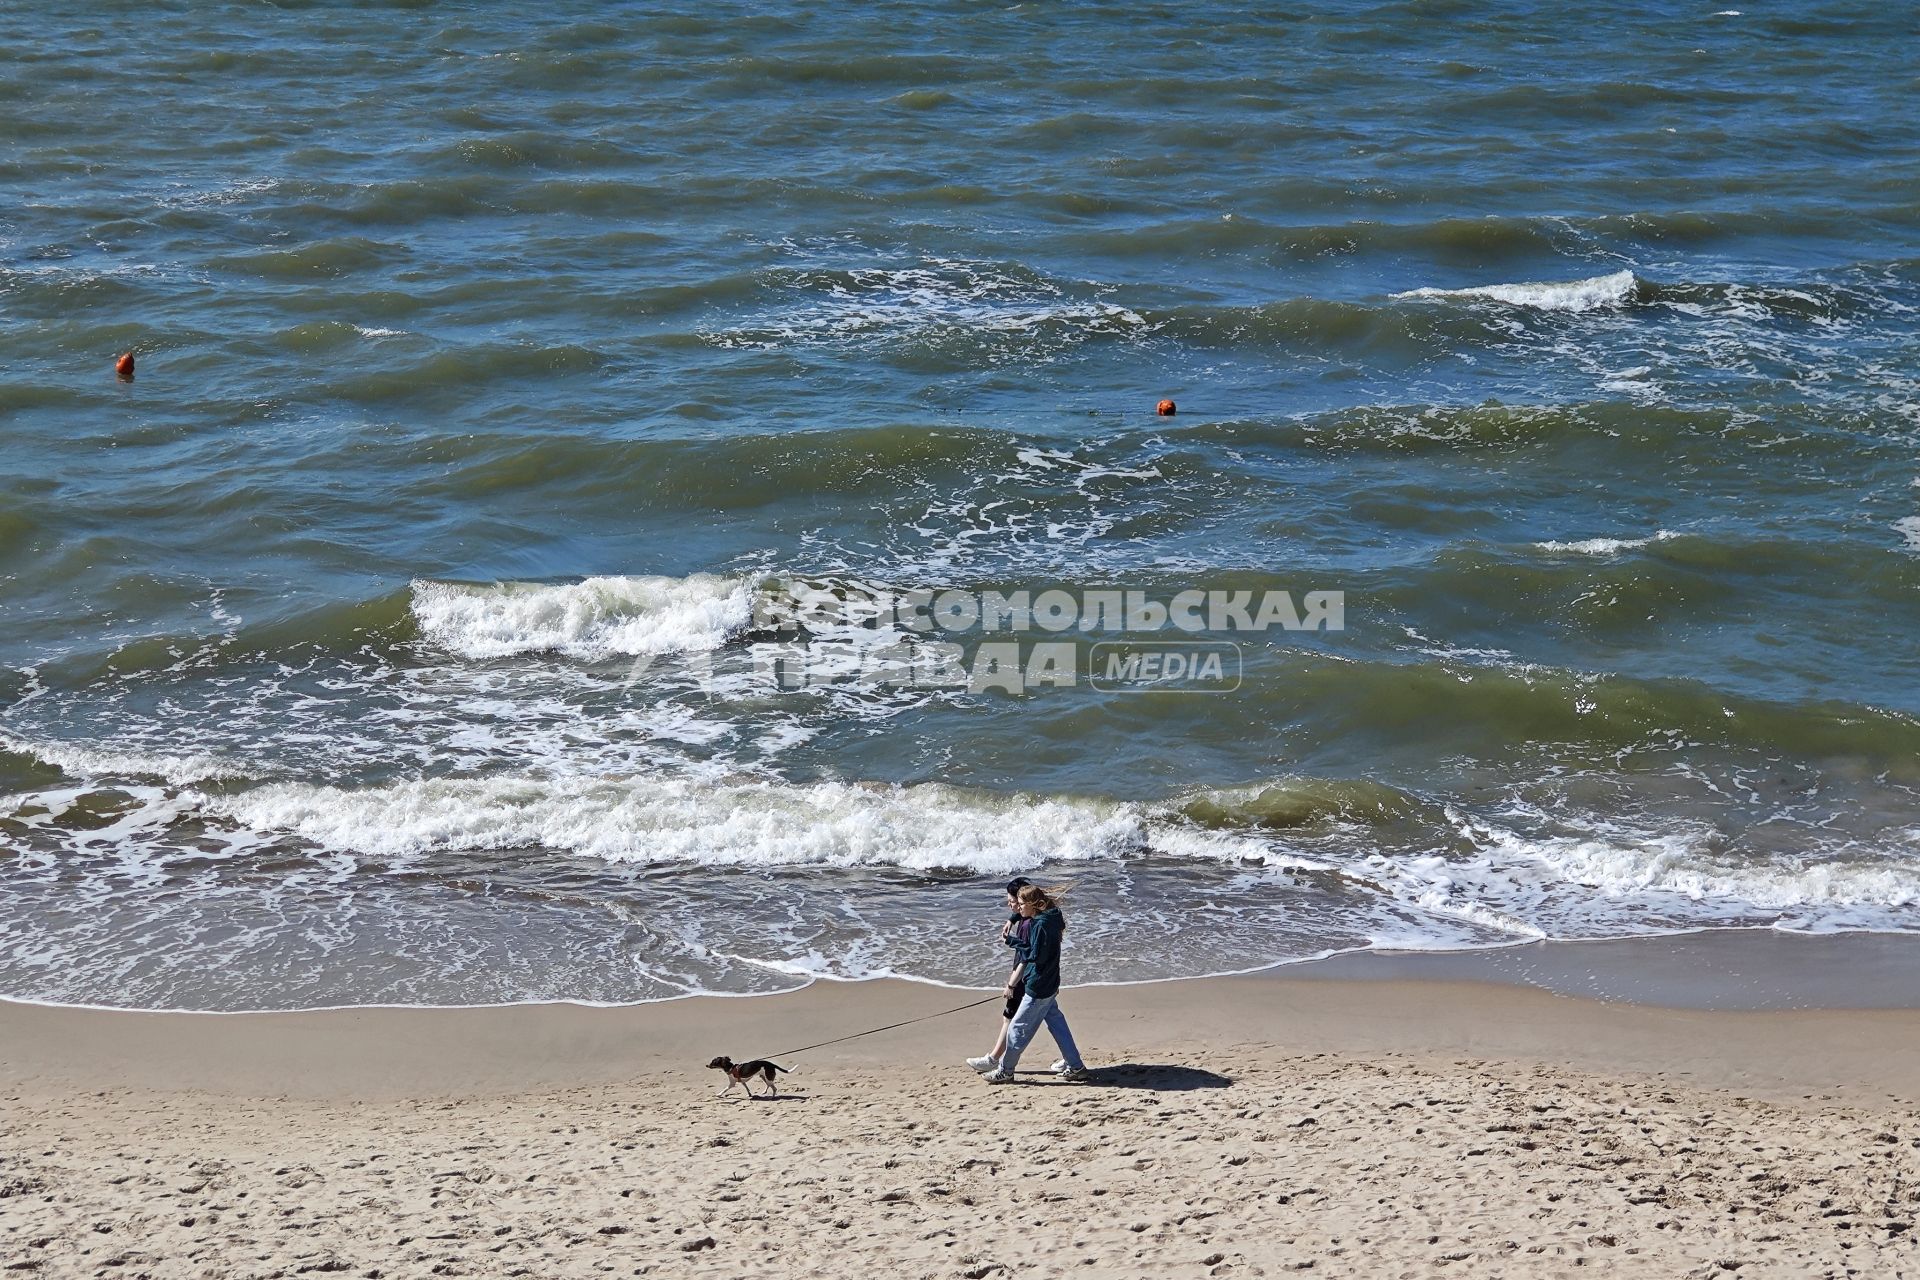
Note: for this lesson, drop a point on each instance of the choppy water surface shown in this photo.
(390, 638)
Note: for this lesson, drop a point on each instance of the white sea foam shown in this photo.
(1441, 900)
(1909, 528)
(1605, 546)
(1592, 294)
(751, 823)
(592, 619)
(1682, 862)
(83, 761)
(1528, 873)
(185, 196)
(938, 295)
(1515, 879)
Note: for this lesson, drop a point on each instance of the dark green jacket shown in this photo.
(1042, 953)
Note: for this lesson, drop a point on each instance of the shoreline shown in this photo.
(1612, 1006)
(1853, 969)
(1715, 968)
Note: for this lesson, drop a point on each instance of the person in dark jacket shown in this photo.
(1041, 999)
(1014, 933)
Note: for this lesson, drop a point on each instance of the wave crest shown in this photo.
(82, 761)
(1595, 293)
(753, 823)
(595, 618)
(1606, 546)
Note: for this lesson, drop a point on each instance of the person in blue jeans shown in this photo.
(1041, 1003)
(1014, 933)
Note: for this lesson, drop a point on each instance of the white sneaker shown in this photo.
(999, 1077)
(984, 1065)
(1059, 1068)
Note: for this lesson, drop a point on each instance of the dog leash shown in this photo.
(793, 1053)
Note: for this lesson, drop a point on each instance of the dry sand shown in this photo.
(1235, 1127)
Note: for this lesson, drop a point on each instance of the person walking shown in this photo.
(1014, 933)
(1040, 1002)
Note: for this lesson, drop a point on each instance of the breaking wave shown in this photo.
(1605, 546)
(596, 618)
(749, 823)
(1618, 289)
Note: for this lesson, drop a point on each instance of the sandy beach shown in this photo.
(542, 545)
(1243, 1126)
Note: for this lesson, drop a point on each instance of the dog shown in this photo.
(743, 1074)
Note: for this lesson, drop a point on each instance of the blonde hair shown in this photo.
(1046, 898)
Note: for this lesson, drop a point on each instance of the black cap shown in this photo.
(1016, 884)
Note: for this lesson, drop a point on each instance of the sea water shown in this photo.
(399, 634)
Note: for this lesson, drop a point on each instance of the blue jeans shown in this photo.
(1026, 1024)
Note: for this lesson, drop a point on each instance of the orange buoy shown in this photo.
(124, 365)
(1165, 408)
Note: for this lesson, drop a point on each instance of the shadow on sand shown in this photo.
(762, 1097)
(1140, 1075)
